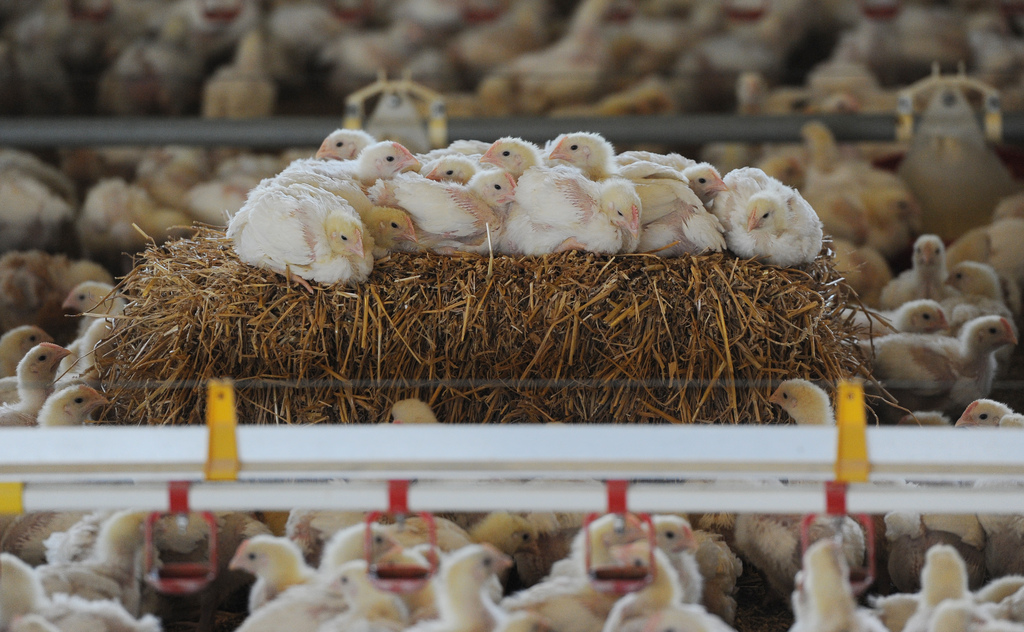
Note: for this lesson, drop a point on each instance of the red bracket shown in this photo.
(177, 492)
(617, 496)
(398, 497)
(835, 498)
(179, 578)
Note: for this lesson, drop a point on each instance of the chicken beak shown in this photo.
(1009, 331)
(410, 231)
(717, 187)
(357, 245)
(941, 322)
(928, 256)
(69, 304)
(407, 161)
(433, 175)
(59, 352)
(776, 397)
(754, 220)
(325, 152)
(965, 419)
(634, 220)
(558, 152)
(490, 156)
(238, 561)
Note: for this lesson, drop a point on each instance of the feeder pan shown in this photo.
(91, 11)
(746, 10)
(180, 578)
(352, 11)
(481, 11)
(400, 578)
(220, 11)
(882, 10)
(861, 577)
(620, 579)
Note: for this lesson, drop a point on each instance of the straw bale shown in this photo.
(573, 337)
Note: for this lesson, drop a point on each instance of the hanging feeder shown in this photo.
(352, 11)
(180, 578)
(397, 115)
(745, 10)
(619, 579)
(221, 10)
(881, 10)
(400, 578)
(90, 10)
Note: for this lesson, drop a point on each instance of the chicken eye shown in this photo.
(252, 556)
(991, 330)
(339, 143)
(378, 540)
(765, 216)
(620, 213)
(506, 153)
(526, 537)
(79, 400)
(983, 416)
(574, 147)
(81, 297)
(32, 338)
(785, 396)
(42, 358)
(391, 158)
(497, 187)
(487, 562)
(344, 579)
(702, 180)
(450, 172)
(670, 534)
(959, 275)
(926, 316)
(344, 238)
(394, 225)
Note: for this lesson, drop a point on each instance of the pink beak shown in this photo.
(357, 247)
(59, 351)
(407, 160)
(754, 220)
(490, 157)
(69, 302)
(634, 220)
(237, 561)
(326, 151)
(776, 397)
(965, 420)
(558, 152)
(434, 174)
(410, 231)
(1009, 330)
(941, 323)
(717, 187)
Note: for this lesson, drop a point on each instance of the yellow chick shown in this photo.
(983, 412)
(69, 406)
(823, 599)
(807, 403)
(15, 343)
(414, 530)
(511, 534)
(369, 608)
(463, 602)
(513, 155)
(33, 384)
(344, 144)
(674, 537)
(943, 577)
(392, 229)
(450, 168)
(412, 411)
(721, 569)
(925, 279)
(277, 564)
(349, 544)
(310, 529)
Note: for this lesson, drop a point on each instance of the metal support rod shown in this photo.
(689, 129)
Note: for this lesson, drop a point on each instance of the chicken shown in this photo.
(243, 89)
(392, 230)
(412, 411)
(451, 168)
(350, 544)
(944, 576)
(34, 215)
(978, 284)
(369, 608)
(938, 373)
(823, 599)
(925, 278)
(22, 599)
(519, 30)
(994, 244)
(684, 618)
(514, 155)
(922, 316)
(567, 72)
(864, 268)
(721, 569)
(705, 181)
(95, 299)
(277, 564)
(983, 412)
(567, 599)
(14, 344)
(69, 406)
(674, 537)
(771, 543)
(79, 367)
(450, 216)
(311, 529)
(33, 285)
(662, 592)
(413, 531)
(302, 232)
(77, 542)
(378, 161)
(33, 384)
(560, 209)
(301, 608)
(168, 173)
(463, 601)
(354, 59)
(807, 403)
(766, 220)
(911, 535)
(109, 572)
(893, 610)
(513, 535)
(344, 144)
(25, 537)
(523, 621)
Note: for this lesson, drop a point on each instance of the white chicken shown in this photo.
(70, 406)
(766, 220)
(938, 373)
(450, 216)
(451, 168)
(923, 316)
(513, 154)
(806, 402)
(243, 89)
(22, 396)
(560, 209)
(277, 564)
(369, 607)
(344, 144)
(302, 232)
(823, 599)
(983, 412)
(925, 279)
(378, 161)
(463, 600)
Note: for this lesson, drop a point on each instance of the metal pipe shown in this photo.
(280, 132)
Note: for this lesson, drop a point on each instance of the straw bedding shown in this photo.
(573, 337)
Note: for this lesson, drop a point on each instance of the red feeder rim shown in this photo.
(180, 578)
(745, 11)
(217, 13)
(861, 577)
(620, 579)
(400, 578)
(352, 12)
(880, 9)
(93, 12)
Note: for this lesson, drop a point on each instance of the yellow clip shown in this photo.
(852, 455)
(12, 498)
(222, 455)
